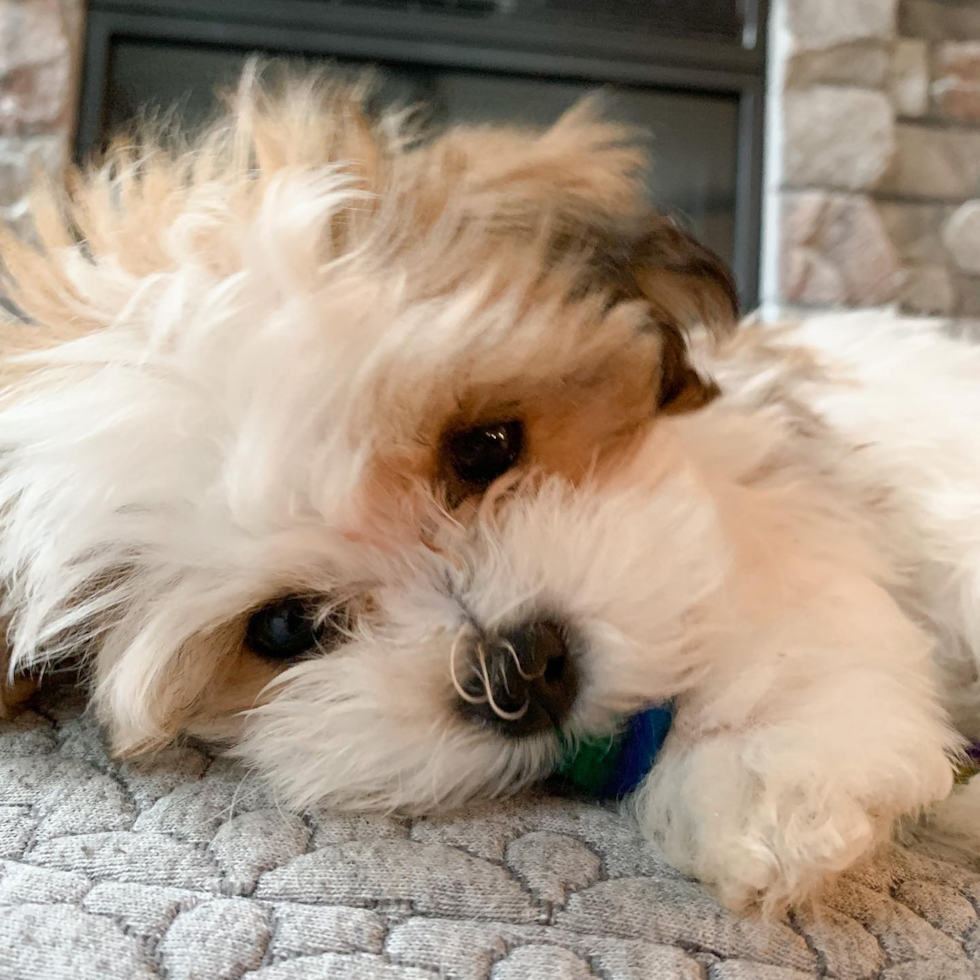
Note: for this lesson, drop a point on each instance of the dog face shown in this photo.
(348, 449)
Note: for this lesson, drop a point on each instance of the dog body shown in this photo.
(882, 412)
(388, 465)
(856, 471)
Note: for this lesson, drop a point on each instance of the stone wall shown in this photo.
(874, 159)
(40, 49)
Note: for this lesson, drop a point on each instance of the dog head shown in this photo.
(347, 447)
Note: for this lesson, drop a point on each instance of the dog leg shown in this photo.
(781, 773)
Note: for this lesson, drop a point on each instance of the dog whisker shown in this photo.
(497, 710)
(509, 647)
(453, 650)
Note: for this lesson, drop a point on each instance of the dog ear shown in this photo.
(580, 187)
(683, 281)
(686, 288)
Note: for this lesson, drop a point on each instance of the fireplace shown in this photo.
(689, 71)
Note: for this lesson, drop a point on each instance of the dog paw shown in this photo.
(769, 839)
(774, 857)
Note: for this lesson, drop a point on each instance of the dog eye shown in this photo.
(479, 455)
(289, 628)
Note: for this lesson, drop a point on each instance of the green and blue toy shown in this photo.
(611, 768)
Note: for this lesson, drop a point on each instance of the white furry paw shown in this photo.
(772, 839)
(765, 863)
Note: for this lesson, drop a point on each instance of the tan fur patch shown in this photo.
(13, 692)
(208, 684)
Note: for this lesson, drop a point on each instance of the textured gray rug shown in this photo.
(184, 869)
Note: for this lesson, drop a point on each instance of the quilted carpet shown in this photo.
(186, 869)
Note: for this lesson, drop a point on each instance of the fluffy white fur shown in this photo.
(797, 563)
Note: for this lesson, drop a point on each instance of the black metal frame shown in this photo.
(312, 27)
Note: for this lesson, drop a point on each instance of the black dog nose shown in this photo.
(520, 681)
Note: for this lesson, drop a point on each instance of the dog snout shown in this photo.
(519, 681)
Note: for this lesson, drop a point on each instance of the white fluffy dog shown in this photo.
(387, 463)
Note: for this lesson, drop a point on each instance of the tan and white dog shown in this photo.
(389, 463)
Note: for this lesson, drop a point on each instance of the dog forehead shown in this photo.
(357, 374)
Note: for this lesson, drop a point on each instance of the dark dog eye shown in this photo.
(479, 455)
(289, 628)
